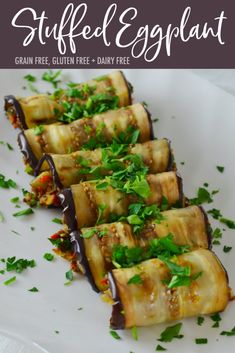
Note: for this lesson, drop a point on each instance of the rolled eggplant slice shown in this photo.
(152, 302)
(92, 205)
(188, 226)
(66, 170)
(47, 109)
(86, 133)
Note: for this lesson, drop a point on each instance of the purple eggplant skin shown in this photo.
(12, 101)
(26, 150)
(208, 227)
(117, 320)
(55, 176)
(151, 137)
(129, 87)
(69, 212)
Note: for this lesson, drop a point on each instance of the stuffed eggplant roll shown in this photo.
(150, 301)
(132, 123)
(94, 204)
(66, 170)
(95, 96)
(102, 247)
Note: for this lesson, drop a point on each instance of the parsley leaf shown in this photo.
(25, 212)
(136, 279)
(49, 257)
(9, 281)
(30, 78)
(12, 264)
(114, 334)
(159, 348)
(201, 340)
(170, 333)
(134, 333)
(38, 130)
(57, 220)
(228, 333)
(34, 289)
(227, 249)
(203, 196)
(8, 145)
(51, 77)
(229, 223)
(7, 184)
(200, 320)
(220, 168)
(69, 275)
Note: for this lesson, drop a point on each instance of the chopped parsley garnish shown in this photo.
(15, 199)
(227, 249)
(134, 333)
(229, 223)
(91, 232)
(201, 340)
(30, 78)
(200, 320)
(228, 333)
(159, 348)
(95, 104)
(101, 209)
(216, 318)
(9, 281)
(34, 289)
(7, 184)
(170, 333)
(114, 334)
(51, 77)
(220, 168)
(48, 256)
(123, 256)
(136, 279)
(217, 233)
(12, 264)
(69, 275)
(7, 144)
(215, 213)
(38, 130)
(57, 220)
(25, 212)
(203, 196)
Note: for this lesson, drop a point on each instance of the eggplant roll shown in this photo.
(65, 170)
(67, 138)
(152, 302)
(188, 226)
(92, 205)
(46, 109)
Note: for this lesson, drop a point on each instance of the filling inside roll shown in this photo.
(125, 126)
(162, 290)
(62, 171)
(78, 100)
(104, 201)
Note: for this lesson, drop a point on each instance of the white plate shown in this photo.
(199, 119)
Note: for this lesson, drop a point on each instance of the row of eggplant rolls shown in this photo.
(127, 225)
